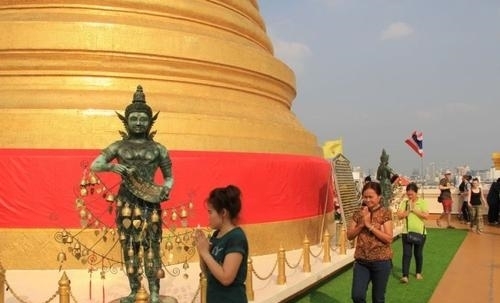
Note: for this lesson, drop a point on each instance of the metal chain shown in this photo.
(72, 296)
(268, 276)
(296, 265)
(315, 255)
(196, 293)
(16, 296)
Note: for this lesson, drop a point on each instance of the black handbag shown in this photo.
(414, 237)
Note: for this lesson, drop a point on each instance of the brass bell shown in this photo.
(61, 257)
(160, 274)
(174, 216)
(151, 255)
(110, 197)
(126, 211)
(137, 212)
(169, 245)
(93, 179)
(155, 217)
(130, 269)
(130, 252)
(184, 213)
(83, 191)
(119, 202)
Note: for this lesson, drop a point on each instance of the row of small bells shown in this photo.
(90, 184)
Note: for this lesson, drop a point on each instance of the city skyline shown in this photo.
(372, 72)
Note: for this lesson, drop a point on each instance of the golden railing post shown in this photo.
(281, 266)
(64, 289)
(249, 281)
(307, 261)
(142, 295)
(343, 250)
(2, 284)
(326, 247)
(203, 288)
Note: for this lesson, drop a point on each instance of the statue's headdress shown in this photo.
(138, 105)
(384, 157)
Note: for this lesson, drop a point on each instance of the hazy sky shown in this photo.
(373, 71)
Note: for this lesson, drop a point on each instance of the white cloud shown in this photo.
(293, 54)
(396, 30)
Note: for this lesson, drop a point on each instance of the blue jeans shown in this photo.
(365, 271)
(407, 253)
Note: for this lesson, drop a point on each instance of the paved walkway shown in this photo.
(474, 273)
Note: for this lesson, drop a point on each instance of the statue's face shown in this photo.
(138, 122)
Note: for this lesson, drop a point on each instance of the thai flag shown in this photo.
(416, 143)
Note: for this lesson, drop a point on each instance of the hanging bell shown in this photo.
(140, 253)
(137, 212)
(110, 197)
(160, 274)
(139, 271)
(155, 217)
(151, 255)
(61, 257)
(93, 179)
(191, 205)
(83, 191)
(130, 269)
(169, 245)
(79, 202)
(174, 216)
(83, 213)
(184, 213)
(119, 202)
(130, 252)
(126, 211)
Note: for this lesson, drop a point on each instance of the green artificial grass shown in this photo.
(440, 247)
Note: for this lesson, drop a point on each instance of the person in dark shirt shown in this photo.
(445, 188)
(493, 199)
(223, 259)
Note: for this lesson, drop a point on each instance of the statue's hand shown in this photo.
(120, 169)
(165, 193)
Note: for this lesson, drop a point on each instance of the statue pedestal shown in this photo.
(163, 299)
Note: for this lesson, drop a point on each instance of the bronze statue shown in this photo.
(384, 176)
(138, 212)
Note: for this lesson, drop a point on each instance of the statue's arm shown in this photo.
(166, 169)
(103, 161)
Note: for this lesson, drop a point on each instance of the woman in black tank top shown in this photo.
(476, 201)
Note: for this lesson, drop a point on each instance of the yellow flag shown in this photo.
(332, 148)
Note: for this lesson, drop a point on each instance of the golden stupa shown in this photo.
(207, 66)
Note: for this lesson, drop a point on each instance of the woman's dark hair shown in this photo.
(412, 186)
(228, 198)
(372, 185)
